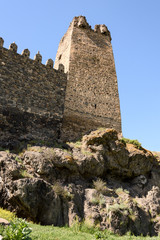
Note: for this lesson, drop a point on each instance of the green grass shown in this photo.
(65, 233)
(135, 142)
(25, 174)
(79, 231)
(57, 233)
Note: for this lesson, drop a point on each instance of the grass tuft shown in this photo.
(135, 142)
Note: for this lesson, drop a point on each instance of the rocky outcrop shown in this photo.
(100, 179)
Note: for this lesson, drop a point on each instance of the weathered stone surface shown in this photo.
(26, 53)
(49, 63)
(13, 47)
(31, 97)
(54, 185)
(34, 199)
(1, 42)
(92, 99)
(124, 161)
(9, 167)
(38, 57)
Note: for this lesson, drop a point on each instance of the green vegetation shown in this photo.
(120, 191)
(77, 144)
(38, 142)
(20, 229)
(100, 186)
(17, 230)
(135, 142)
(87, 153)
(117, 207)
(79, 231)
(57, 233)
(4, 149)
(61, 191)
(9, 216)
(98, 200)
(18, 160)
(101, 190)
(25, 174)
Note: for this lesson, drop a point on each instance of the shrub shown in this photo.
(76, 225)
(77, 144)
(60, 191)
(135, 142)
(106, 234)
(6, 214)
(120, 191)
(100, 186)
(98, 200)
(17, 230)
(117, 207)
(95, 200)
(83, 226)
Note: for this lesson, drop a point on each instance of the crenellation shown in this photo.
(26, 53)
(1, 42)
(49, 63)
(38, 57)
(13, 47)
(102, 28)
(81, 22)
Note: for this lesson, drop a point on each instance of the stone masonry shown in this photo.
(92, 98)
(31, 95)
(78, 95)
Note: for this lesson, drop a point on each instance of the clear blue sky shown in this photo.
(135, 29)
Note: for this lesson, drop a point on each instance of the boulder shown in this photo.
(4, 222)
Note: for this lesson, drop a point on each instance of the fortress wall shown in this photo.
(31, 96)
(92, 98)
(37, 101)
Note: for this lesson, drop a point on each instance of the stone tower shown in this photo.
(92, 98)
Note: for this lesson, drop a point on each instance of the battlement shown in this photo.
(26, 54)
(81, 22)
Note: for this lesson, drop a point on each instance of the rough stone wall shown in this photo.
(63, 53)
(92, 98)
(31, 96)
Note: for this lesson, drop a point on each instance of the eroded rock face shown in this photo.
(54, 185)
(124, 161)
(36, 200)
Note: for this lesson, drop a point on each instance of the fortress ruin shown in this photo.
(78, 95)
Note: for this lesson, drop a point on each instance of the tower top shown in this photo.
(81, 22)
